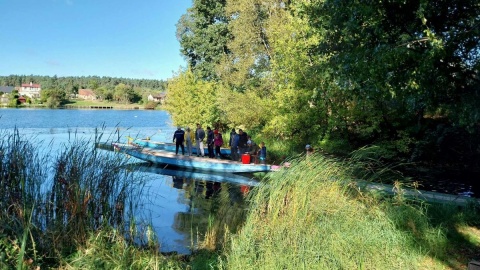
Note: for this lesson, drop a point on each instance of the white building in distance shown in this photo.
(31, 90)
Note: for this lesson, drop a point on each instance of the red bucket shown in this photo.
(246, 158)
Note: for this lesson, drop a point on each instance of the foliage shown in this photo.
(246, 110)
(13, 99)
(52, 97)
(384, 73)
(249, 45)
(203, 34)
(151, 105)
(191, 100)
(125, 94)
(107, 249)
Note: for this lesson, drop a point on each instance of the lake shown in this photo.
(175, 202)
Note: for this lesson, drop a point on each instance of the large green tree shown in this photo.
(404, 59)
(397, 73)
(191, 100)
(203, 34)
(53, 98)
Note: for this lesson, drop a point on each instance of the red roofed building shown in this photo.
(30, 89)
(86, 94)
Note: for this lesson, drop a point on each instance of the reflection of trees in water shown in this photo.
(211, 205)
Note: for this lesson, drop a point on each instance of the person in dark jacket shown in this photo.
(178, 138)
(210, 137)
(242, 142)
(232, 135)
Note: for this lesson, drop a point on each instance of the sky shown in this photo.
(121, 38)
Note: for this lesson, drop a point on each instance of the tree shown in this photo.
(203, 34)
(13, 99)
(191, 100)
(402, 74)
(250, 47)
(53, 98)
(123, 93)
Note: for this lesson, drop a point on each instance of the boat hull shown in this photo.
(159, 156)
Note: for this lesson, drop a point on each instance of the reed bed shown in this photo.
(52, 202)
(309, 217)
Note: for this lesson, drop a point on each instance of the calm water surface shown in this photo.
(175, 202)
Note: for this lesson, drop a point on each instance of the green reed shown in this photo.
(312, 216)
(52, 202)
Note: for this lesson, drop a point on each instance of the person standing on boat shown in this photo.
(210, 137)
(233, 143)
(242, 142)
(199, 137)
(252, 149)
(189, 140)
(218, 142)
(178, 138)
(262, 153)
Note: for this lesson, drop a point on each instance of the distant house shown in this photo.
(157, 97)
(86, 94)
(7, 89)
(22, 100)
(31, 90)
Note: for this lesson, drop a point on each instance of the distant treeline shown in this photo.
(71, 84)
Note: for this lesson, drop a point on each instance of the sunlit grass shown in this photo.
(310, 216)
(108, 249)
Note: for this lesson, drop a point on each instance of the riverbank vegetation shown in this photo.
(313, 216)
(80, 214)
(399, 75)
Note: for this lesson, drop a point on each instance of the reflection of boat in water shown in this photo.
(211, 176)
(158, 156)
(171, 146)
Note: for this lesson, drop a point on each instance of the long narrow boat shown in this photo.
(159, 156)
(171, 146)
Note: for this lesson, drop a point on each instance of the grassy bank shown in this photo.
(310, 217)
(114, 105)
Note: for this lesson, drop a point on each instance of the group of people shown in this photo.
(239, 144)
(214, 141)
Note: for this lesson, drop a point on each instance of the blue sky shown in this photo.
(122, 38)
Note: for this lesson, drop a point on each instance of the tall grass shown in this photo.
(309, 217)
(51, 203)
(107, 249)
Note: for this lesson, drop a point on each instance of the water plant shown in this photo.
(53, 201)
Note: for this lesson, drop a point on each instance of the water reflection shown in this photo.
(181, 204)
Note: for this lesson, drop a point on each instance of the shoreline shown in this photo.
(83, 107)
